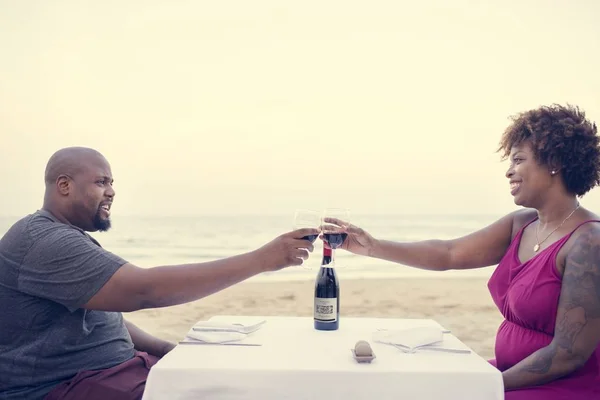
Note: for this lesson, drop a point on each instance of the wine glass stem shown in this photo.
(332, 258)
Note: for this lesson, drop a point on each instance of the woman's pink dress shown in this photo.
(527, 296)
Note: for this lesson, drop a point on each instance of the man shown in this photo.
(62, 334)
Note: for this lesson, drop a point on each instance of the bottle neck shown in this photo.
(327, 261)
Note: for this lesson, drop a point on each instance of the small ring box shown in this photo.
(366, 354)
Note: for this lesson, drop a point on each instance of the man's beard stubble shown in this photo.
(101, 224)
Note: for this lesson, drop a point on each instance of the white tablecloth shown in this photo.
(295, 361)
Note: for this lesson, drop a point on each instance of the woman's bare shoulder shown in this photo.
(584, 245)
(590, 229)
(586, 235)
(522, 218)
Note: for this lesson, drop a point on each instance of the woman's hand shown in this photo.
(358, 240)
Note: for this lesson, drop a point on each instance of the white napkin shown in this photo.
(222, 333)
(411, 338)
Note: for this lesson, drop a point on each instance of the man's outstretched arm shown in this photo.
(133, 288)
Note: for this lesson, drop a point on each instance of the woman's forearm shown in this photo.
(545, 365)
(428, 254)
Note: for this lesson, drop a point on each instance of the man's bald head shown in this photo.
(79, 188)
(70, 161)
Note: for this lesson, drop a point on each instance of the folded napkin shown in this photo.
(222, 333)
(410, 338)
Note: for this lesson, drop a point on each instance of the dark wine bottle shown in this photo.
(327, 295)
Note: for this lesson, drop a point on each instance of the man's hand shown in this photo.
(143, 341)
(167, 347)
(287, 249)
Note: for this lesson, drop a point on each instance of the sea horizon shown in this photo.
(152, 240)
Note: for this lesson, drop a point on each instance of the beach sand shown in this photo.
(462, 305)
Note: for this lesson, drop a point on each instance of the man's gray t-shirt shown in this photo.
(48, 271)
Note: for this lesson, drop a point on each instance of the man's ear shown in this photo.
(63, 183)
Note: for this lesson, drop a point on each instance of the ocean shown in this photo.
(154, 241)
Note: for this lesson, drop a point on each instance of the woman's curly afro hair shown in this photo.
(561, 138)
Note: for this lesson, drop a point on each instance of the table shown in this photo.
(295, 361)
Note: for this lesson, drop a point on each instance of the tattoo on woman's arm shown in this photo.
(579, 304)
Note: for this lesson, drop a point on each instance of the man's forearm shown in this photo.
(173, 285)
(545, 365)
(143, 341)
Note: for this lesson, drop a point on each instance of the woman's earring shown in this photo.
(553, 172)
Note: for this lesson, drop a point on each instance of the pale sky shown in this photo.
(267, 106)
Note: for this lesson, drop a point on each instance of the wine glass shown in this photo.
(332, 235)
(306, 218)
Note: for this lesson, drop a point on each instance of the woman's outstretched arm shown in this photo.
(482, 248)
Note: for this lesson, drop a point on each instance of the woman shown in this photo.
(547, 282)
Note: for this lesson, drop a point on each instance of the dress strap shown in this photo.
(577, 227)
(520, 231)
(556, 246)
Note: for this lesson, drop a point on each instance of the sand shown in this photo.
(462, 305)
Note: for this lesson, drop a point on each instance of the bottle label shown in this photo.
(326, 309)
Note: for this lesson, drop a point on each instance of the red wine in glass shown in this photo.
(335, 239)
(333, 236)
(306, 218)
(310, 238)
